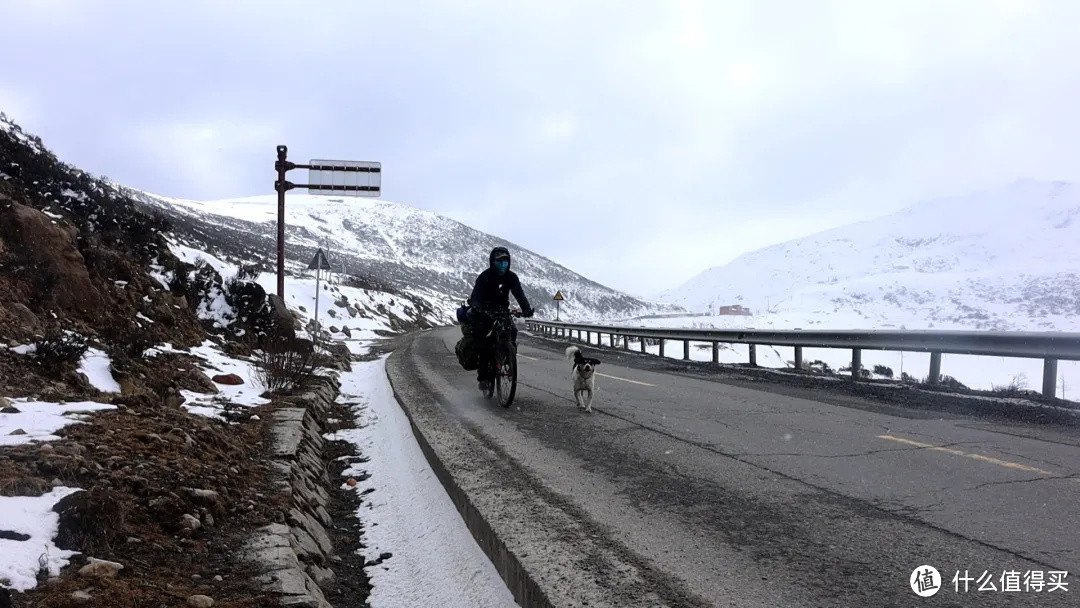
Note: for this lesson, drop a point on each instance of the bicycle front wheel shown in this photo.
(506, 377)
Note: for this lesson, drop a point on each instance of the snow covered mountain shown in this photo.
(391, 245)
(1007, 259)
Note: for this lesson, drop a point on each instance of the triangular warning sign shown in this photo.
(558, 296)
(319, 262)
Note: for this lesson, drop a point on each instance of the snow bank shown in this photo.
(29, 547)
(39, 420)
(216, 362)
(435, 560)
(95, 364)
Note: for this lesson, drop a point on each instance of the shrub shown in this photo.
(1016, 386)
(882, 370)
(285, 364)
(906, 377)
(953, 383)
(58, 349)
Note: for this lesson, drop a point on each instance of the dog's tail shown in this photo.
(571, 351)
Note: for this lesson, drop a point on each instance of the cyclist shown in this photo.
(492, 293)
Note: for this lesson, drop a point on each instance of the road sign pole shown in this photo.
(557, 302)
(279, 185)
(317, 275)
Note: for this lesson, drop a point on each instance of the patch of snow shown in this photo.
(217, 362)
(55, 216)
(95, 364)
(31, 516)
(216, 308)
(192, 256)
(144, 318)
(435, 559)
(79, 196)
(24, 349)
(39, 420)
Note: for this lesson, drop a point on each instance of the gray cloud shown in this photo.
(635, 145)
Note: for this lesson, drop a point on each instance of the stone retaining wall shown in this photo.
(295, 557)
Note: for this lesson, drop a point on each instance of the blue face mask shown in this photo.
(502, 266)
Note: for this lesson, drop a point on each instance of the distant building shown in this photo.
(734, 309)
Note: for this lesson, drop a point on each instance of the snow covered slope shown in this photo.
(389, 244)
(1007, 259)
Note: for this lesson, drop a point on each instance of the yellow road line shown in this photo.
(625, 379)
(980, 457)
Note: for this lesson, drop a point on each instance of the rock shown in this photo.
(24, 316)
(230, 379)
(51, 250)
(348, 332)
(218, 578)
(332, 313)
(99, 568)
(174, 400)
(196, 380)
(200, 601)
(209, 497)
(56, 483)
(81, 596)
(190, 522)
(10, 410)
(208, 520)
(127, 386)
(17, 432)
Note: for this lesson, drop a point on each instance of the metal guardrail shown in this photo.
(1048, 346)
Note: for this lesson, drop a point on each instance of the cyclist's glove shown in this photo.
(528, 313)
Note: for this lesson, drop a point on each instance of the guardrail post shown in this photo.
(626, 343)
(642, 344)
(753, 355)
(588, 337)
(935, 368)
(1050, 377)
(686, 350)
(661, 347)
(798, 358)
(716, 353)
(856, 363)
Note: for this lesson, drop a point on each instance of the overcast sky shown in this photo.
(637, 143)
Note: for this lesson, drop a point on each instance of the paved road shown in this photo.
(691, 491)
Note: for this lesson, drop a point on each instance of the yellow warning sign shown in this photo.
(558, 296)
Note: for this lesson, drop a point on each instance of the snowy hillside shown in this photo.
(1006, 259)
(391, 244)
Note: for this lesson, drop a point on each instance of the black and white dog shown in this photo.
(583, 377)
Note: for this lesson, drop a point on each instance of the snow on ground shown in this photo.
(216, 362)
(31, 525)
(300, 296)
(435, 560)
(95, 364)
(982, 373)
(39, 420)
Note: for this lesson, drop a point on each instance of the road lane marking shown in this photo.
(527, 357)
(625, 379)
(980, 457)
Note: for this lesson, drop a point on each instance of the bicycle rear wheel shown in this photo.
(506, 376)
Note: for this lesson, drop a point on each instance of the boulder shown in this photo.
(229, 379)
(58, 269)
